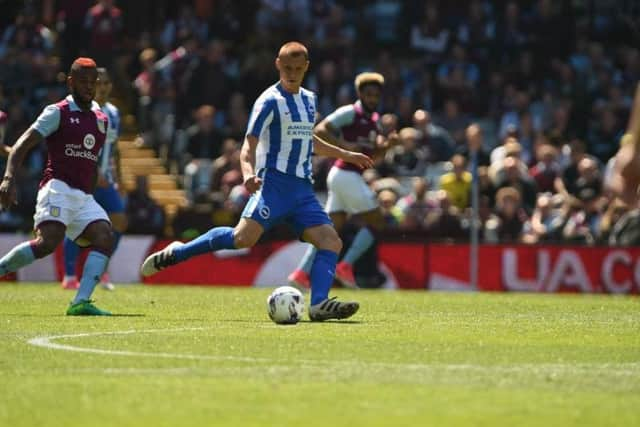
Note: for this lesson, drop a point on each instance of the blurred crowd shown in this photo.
(544, 87)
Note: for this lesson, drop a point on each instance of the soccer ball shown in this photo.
(285, 305)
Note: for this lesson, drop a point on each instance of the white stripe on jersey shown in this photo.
(284, 127)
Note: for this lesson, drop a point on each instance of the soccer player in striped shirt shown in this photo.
(276, 166)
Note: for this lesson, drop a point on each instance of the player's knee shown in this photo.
(242, 240)
(44, 246)
(331, 242)
(104, 241)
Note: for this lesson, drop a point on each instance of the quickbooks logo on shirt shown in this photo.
(75, 150)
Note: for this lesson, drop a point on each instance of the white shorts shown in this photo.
(349, 193)
(70, 206)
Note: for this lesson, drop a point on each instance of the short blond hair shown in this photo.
(368, 78)
(293, 49)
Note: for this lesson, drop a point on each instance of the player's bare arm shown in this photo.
(28, 140)
(247, 163)
(323, 148)
(625, 178)
(327, 132)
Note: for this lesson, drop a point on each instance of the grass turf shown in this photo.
(188, 356)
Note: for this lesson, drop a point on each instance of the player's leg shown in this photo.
(70, 252)
(359, 201)
(310, 220)
(48, 237)
(100, 237)
(363, 240)
(112, 203)
(326, 240)
(300, 277)
(244, 235)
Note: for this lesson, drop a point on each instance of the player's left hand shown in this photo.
(252, 183)
(361, 160)
(7, 194)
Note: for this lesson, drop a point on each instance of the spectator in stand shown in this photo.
(477, 31)
(583, 225)
(544, 224)
(228, 160)
(512, 33)
(210, 83)
(430, 35)
(457, 183)
(566, 183)
(407, 158)
(603, 136)
(458, 77)
(589, 176)
(415, 206)
(454, 122)
(547, 169)
(70, 19)
(204, 143)
(390, 212)
(513, 178)
(104, 24)
(144, 215)
(508, 223)
(443, 222)
(435, 140)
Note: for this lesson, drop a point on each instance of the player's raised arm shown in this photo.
(323, 148)
(625, 178)
(28, 140)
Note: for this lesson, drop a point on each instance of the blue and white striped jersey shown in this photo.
(105, 163)
(283, 123)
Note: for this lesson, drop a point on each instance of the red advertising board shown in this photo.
(537, 268)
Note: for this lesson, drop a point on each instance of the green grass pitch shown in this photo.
(189, 356)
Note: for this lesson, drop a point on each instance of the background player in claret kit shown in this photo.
(74, 130)
(106, 193)
(276, 166)
(355, 127)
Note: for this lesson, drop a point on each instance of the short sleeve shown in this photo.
(261, 116)
(48, 121)
(342, 117)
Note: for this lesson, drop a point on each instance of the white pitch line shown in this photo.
(626, 368)
(46, 342)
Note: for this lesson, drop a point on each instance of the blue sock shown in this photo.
(213, 240)
(71, 251)
(361, 242)
(322, 272)
(17, 258)
(94, 266)
(307, 259)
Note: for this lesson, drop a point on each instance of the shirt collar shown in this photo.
(74, 107)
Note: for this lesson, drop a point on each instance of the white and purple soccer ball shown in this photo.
(285, 305)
